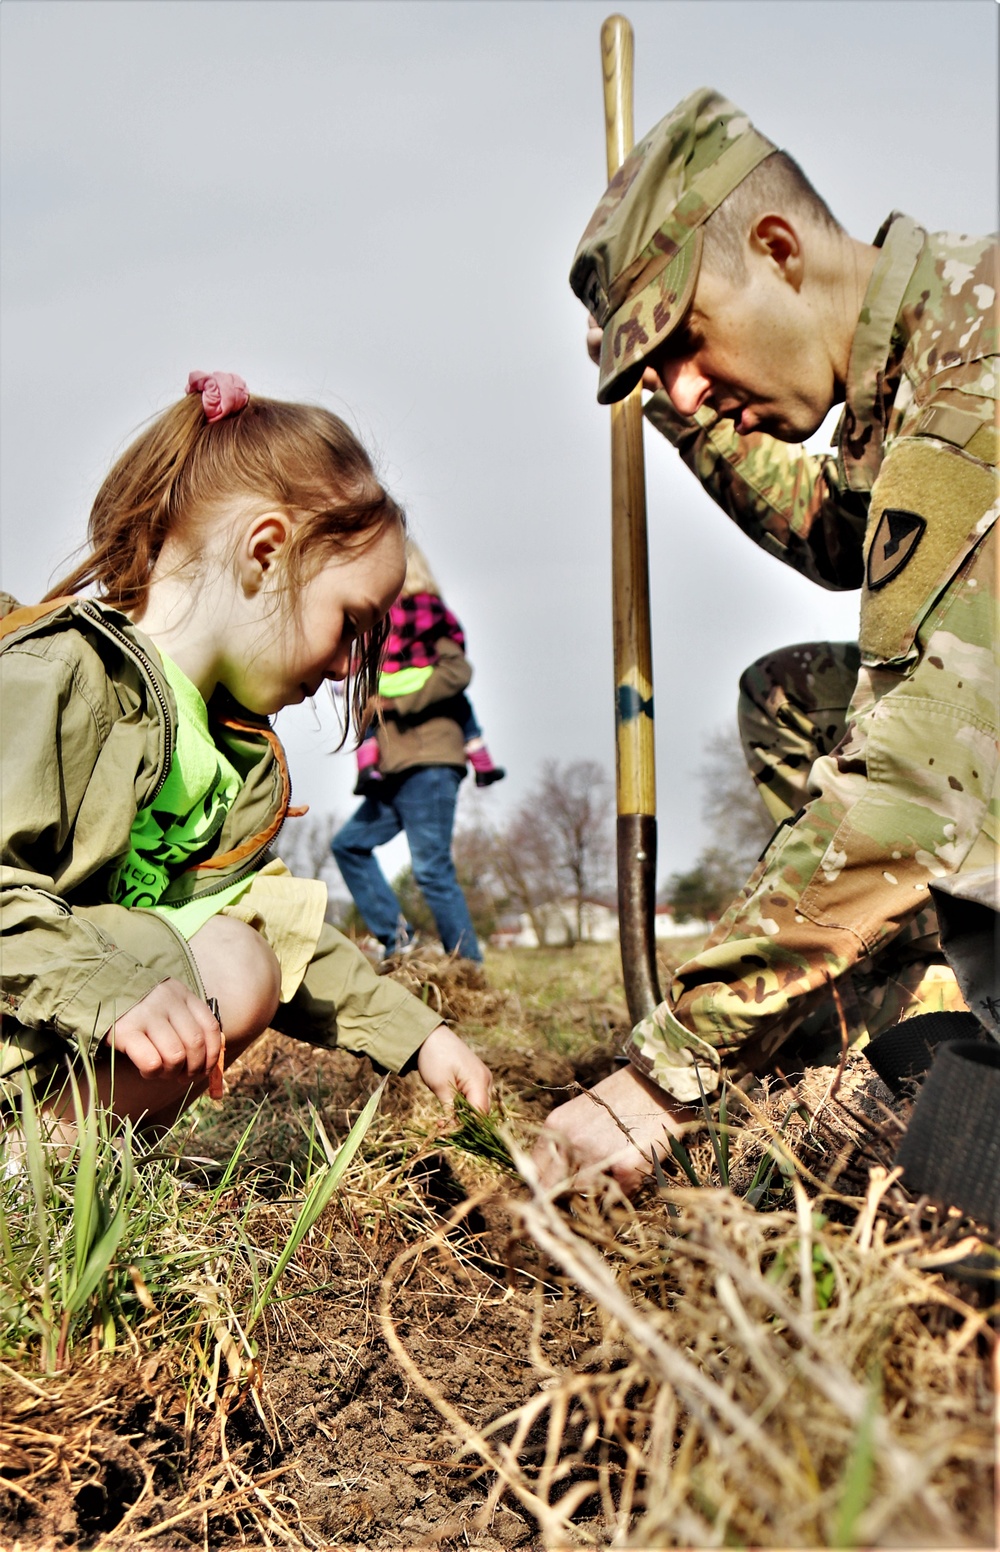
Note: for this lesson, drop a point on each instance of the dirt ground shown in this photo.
(329, 1442)
(360, 1459)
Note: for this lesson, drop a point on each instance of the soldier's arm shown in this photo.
(907, 797)
(792, 503)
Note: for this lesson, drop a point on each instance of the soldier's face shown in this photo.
(752, 351)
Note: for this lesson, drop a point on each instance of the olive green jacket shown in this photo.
(86, 738)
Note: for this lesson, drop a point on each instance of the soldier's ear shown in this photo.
(774, 238)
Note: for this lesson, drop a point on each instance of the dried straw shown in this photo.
(766, 1379)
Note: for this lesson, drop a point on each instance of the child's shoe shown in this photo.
(481, 761)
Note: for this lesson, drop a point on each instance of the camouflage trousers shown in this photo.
(793, 709)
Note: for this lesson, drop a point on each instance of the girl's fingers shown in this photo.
(170, 1032)
(140, 1051)
(478, 1089)
(200, 1034)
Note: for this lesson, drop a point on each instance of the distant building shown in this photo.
(598, 924)
(665, 925)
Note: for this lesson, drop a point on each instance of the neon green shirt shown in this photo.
(184, 818)
(403, 681)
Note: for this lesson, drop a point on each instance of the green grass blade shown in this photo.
(683, 1158)
(712, 1131)
(859, 1476)
(85, 1219)
(480, 1134)
(662, 1183)
(108, 1229)
(99, 1260)
(318, 1198)
(38, 1174)
(724, 1134)
(11, 1262)
(355, 1137)
(235, 1157)
(771, 1159)
(761, 1182)
(319, 1130)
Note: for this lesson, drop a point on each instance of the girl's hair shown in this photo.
(297, 457)
(419, 577)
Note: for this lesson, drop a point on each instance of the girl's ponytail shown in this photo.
(217, 444)
(136, 508)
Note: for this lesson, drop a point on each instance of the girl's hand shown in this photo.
(170, 1033)
(448, 1066)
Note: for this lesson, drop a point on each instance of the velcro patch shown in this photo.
(930, 506)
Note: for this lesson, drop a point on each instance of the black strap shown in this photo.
(951, 1148)
(907, 1050)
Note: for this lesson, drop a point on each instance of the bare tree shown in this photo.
(473, 850)
(731, 803)
(525, 866)
(742, 828)
(559, 843)
(577, 801)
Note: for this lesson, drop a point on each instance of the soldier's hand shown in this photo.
(610, 1129)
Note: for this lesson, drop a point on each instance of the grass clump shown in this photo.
(94, 1242)
(480, 1135)
(103, 1242)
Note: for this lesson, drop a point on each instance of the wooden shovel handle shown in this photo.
(634, 744)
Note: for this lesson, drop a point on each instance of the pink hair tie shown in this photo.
(222, 393)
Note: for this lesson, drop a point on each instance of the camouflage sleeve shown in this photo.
(794, 504)
(909, 796)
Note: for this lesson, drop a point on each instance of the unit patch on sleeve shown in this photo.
(930, 507)
(895, 541)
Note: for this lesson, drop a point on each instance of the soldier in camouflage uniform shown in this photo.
(877, 760)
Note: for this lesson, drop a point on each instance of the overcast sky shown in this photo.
(374, 206)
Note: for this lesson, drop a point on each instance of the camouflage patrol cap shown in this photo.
(637, 262)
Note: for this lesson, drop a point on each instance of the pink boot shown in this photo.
(481, 761)
(366, 755)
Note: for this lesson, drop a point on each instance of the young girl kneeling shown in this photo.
(243, 552)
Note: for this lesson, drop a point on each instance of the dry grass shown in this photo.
(456, 1360)
(731, 1400)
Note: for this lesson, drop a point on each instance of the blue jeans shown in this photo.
(421, 802)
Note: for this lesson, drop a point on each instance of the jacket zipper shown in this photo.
(136, 652)
(233, 878)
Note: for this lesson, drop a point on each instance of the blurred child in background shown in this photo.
(418, 621)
